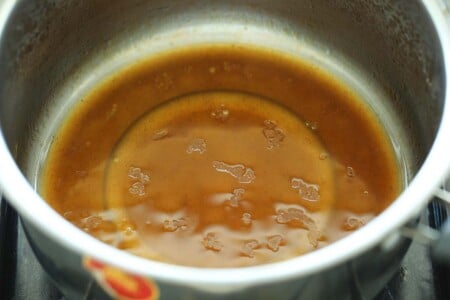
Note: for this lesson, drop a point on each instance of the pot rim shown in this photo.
(35, 211)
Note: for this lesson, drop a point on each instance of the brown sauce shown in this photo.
(220, 156)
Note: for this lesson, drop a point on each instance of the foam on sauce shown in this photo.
(220, 156)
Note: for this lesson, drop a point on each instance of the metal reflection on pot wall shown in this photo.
(394, 52)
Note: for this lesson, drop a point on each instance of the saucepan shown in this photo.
(397, 52)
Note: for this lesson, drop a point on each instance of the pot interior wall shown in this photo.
(52, 51)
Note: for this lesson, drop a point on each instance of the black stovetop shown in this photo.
(22, 278)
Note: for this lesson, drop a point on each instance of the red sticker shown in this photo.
(121, 285)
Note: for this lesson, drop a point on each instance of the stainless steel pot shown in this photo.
(397, 53)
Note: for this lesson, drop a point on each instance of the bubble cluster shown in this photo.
(211, 242)
(137, 188)
(196, 145)
(297, 217)
(239, 171)
(237, 196)
(294, 216)
(136, 173)
(274, 242)
(160, 134)
(109, 228)
(174, 225)
(164, 81)
(246, 219)
(352, 223)
(273, 134)
(140, 180)
(248, 248)
(307, 191)
(221, 114)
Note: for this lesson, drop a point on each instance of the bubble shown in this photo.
(129, 231)
(248, 248)
(136, 173)
(237, 196)
(352, 223)
(137, 189)
(160, 134)
(196, 145)
(212, 70)
(311, 125)
(174, 225)
(274, 242)
(273, 134)
(239, 171)
(246, 219)
(221, 114)
(350, 172)
(307, 191)
(126, 227)
(323, 156)
(211, 242)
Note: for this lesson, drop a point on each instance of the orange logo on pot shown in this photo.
(121, 285)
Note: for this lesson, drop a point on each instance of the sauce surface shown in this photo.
(220, 156)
